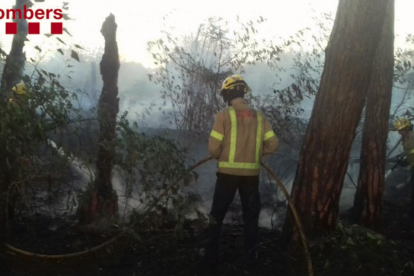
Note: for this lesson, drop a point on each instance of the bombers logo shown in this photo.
(28, 14)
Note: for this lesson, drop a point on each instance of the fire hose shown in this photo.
(164, 193)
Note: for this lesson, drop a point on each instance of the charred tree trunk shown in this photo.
(13, 69)
(102, 202)
(335, 116)
(368, 198)
(12, 74)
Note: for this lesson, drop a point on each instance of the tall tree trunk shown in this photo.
(13, 69)
(336, 113)
(102, 203)
(368, 198)
(12, 74)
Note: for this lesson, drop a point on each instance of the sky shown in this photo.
(142, 21)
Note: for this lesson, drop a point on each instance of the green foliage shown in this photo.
(27, 121)
(351, 248)
(27, 155)
(155, 163)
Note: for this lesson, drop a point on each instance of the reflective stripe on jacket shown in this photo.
(239, 139)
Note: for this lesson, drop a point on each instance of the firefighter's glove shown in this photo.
(402, 161)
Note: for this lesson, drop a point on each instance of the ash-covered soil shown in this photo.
(167, 251)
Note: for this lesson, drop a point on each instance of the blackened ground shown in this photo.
(166, 252)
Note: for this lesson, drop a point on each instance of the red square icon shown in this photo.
(11, 28)
(56, 28)
(34, 28)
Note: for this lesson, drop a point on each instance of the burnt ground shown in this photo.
(168, 252)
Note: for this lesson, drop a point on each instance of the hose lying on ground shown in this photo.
(168, 189)
(164, 193)
(63, 256)
(96, 248)
(295, 215)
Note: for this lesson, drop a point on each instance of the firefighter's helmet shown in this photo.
(234, 82)
(402, 123)
(20, 88)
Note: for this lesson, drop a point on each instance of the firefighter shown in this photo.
(240, 137)
(18, 125)
(405, 129)
(22, 113)
(19, 95)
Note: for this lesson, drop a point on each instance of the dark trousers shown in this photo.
(225, 190)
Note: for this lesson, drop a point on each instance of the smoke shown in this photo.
(142, 99)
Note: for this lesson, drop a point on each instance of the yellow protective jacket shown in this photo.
(408, 146)
(240, 137)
